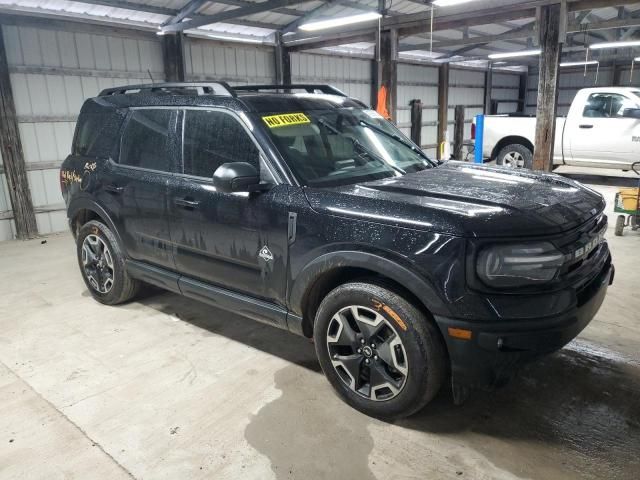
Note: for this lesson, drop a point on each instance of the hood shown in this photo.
(466, 200)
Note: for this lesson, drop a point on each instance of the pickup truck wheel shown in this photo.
(102, 265)
(378, 351)
(515, 156)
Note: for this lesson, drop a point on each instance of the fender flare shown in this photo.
(85, 203)
(386, 267)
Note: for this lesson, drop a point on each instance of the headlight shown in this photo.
(519, 265)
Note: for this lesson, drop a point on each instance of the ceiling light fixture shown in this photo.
(339, 22)
(630, 43)
(200, 33)
(579, 64)
(449, 3)
(522, 53)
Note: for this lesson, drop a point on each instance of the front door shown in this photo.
(237, 241)
(602, 136)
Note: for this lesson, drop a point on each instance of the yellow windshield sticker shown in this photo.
(286, 119)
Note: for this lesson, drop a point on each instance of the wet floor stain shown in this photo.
(306, 435)
(573, 415)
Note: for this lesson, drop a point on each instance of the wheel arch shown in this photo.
(330, 270)
(510, 140)
(83, 210)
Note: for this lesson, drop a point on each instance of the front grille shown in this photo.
(582, 246)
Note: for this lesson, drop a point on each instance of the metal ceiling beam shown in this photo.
(188, 10)
(293, 26)
(169, 12)
(244, 3)
(136, 7)
(226, 15)
(524, 32)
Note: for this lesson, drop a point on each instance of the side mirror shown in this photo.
(631, 113)
(236, 177)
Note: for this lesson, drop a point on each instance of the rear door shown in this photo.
(237, 241)
(135, 189)
(601, 136)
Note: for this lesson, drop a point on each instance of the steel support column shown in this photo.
(547, 87)
(13, 155)
(173, 56)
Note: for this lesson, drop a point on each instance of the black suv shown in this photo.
(300, 207)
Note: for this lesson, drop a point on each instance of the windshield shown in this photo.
(342, 146)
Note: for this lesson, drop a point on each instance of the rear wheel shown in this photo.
(378, 351)
(620, 221)
(515, 156)
(102, 265)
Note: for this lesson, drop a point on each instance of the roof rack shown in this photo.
(202, 88)
(308, 87)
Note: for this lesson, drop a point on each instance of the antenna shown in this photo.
(150, 76)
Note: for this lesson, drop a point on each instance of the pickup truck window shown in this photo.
(607, 105)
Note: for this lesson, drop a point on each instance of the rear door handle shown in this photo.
(114, 189)
(186, 203)
(586, 126)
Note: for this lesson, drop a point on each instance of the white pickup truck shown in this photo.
(602, 130)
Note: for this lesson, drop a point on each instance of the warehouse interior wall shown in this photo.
(55, 67)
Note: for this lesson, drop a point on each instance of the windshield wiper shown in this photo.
(358, 145)
(395, 137)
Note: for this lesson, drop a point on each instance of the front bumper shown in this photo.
(496, 350)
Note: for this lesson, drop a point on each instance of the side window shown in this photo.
(212, 138)
(607, 105)
(97, 134)
(145, 142)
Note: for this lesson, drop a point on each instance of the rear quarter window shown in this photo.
(97, 133)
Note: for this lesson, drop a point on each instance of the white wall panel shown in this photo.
(569, 84)
(505, 87)
(419, 82)
(351, 75)
(236, 64)
(52, 73)
(466, 87)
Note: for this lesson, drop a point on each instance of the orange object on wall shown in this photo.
(381, 106)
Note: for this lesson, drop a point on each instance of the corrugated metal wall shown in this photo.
(569, 84)
(505, 88)
(419, 82)
(235, 64)
(351, 75)
(466, 87)
(52, 72)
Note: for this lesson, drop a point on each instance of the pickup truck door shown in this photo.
(234, 241)
(600, 135)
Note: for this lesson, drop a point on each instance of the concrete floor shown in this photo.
(169, 388)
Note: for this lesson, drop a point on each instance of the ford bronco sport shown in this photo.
(300, 207)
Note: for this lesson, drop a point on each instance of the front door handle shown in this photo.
(114, 188)
(586, 126)
(186, 203)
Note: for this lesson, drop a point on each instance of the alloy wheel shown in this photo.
(97, 263)
(513, 160)
(367, 353)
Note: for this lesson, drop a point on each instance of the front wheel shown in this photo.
(379, 352)
(515, 156)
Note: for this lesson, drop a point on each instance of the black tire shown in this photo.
(620, 221)
(123, 287)
(515, 155)
(425, 361)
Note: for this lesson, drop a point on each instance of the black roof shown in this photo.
(256, 98)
